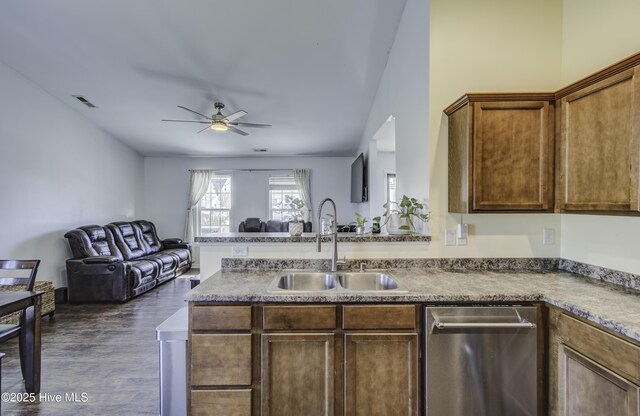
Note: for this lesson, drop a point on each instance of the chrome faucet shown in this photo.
(334, 234)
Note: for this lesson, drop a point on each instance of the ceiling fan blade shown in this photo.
(206, 128)
(195, 112)
(256, 125)
(189, 121)
(236, 115)
(240, 132)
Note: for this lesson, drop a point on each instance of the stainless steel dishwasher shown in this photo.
(481, 361)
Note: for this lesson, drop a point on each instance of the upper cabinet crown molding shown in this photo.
(473, 97)
(611, 70)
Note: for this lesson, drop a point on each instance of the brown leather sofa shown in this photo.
(121, 260)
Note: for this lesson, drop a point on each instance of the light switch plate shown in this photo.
(239, 251)
(548, 236)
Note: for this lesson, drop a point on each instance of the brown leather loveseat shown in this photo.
(121, 260)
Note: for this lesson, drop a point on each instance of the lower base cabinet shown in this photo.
(221, 402)
(304, 360)
(297, 374)
(592, 372)
(381, 374)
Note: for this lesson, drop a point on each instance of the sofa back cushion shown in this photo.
(152, 243)
(128, 238)
(92, 240)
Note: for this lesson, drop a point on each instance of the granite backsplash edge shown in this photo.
(616, 277)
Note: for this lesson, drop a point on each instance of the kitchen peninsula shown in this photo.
(586, 326)
(213, 248)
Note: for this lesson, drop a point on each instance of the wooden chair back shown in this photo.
(28, 281)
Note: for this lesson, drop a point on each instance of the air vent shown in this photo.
(84, 101)
(260, 150)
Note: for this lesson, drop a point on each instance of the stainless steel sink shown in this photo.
(302, 281)
(367, 281)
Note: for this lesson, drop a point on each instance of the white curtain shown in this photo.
(197, 188)
(303, 184)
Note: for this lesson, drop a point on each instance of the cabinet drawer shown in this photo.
(299, 317)
(617, 354)
(379, 317)
(220, 360)
(221, 402)
(221, 318)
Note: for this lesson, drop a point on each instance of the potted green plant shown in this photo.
(400, 217)
(296, 210)
(361, 222)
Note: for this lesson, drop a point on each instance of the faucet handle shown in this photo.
(362, 266)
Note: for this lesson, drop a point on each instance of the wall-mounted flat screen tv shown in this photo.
(359, 190)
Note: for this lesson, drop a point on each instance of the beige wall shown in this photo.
(596, 34)
(489, 46)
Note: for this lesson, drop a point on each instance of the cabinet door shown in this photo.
(297, 374)
(512, 156)
(599, 146)
(381, 374)
(589, 389)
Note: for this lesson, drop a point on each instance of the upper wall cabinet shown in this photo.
(599, 143)
(501, 153)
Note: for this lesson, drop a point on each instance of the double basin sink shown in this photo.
(340, 281)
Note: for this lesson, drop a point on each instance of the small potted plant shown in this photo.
(361, 222)
(296, 209)
(400, 217)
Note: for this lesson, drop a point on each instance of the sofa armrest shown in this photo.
(98, 282)
(168, 245)
(101, 260)
(172, 241)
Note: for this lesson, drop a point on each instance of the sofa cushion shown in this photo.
(128, 238)
(152, 243)
(166, 261)
(143, 271)
(182, 254)
(92, 240)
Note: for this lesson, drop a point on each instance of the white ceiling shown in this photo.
(310, 68)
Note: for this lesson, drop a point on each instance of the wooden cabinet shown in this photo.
(381, 374)
(220, 351)
(501, 152)
(600, 143)
(311, 360)
(297, 374)
(591, 372)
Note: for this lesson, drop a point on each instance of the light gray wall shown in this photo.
(167, 183)
(57, 172)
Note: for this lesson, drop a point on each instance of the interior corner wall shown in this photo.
(597, 34)
(488, 46)
(57, 172)
(404, 93)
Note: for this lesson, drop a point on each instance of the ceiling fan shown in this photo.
(220, 122)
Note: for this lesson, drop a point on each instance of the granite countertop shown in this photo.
(611, 306)
(307, 238)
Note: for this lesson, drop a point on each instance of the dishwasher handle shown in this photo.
(521, 323)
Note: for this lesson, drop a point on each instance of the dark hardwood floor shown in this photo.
(108, 351)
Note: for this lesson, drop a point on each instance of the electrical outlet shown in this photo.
(239, 251)
(449, 237)
(461, 234)
(548, 236)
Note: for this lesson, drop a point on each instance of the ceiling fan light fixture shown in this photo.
(219, 125)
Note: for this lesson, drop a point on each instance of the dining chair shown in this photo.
(8, 331)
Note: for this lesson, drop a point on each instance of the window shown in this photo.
(279, 187)
(214, 209)
(391, 187)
